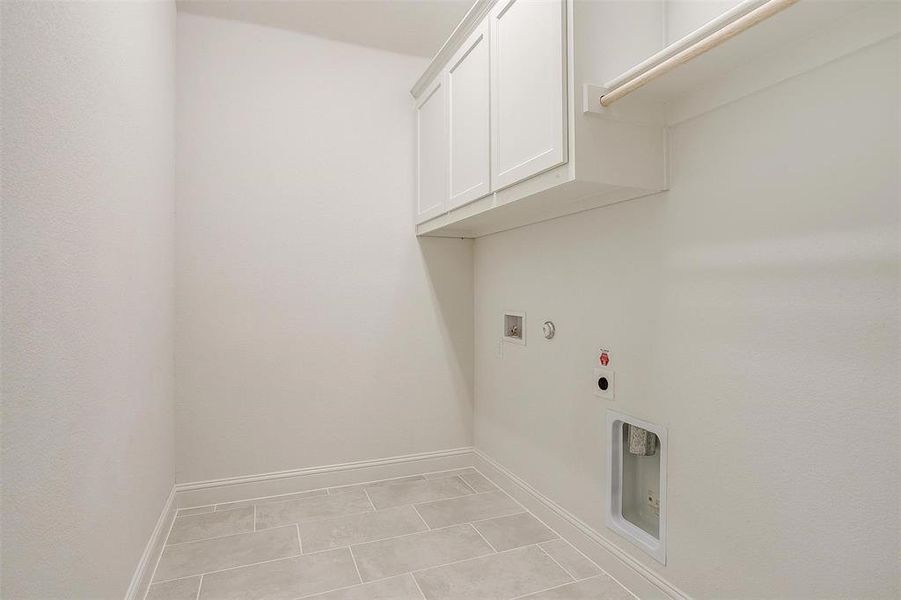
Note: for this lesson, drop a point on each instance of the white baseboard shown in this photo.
(143, 574)
(638, 578)
(216, 491)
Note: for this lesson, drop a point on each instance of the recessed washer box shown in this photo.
(515, 327)
(636, 485)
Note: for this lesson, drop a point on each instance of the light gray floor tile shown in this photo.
(194, 558)
(360, 486)
(467, 508)
(451, 473)
(377, 560)
(209, 525)
(194, 511)
(473, 478)
(282, 498)
(505, 533)
(411, 492)
(571, 559)
(283, 579)
(401, 587)
(318, 507)
(495, 577)
(179, 589)
(478, 482)
(596, 588)
(355, 529)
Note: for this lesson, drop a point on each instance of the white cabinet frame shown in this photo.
(468, 108)
(544, 95)
(431, 184)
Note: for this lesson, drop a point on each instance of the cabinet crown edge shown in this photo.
(471, 20)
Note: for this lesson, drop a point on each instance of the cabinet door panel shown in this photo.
(527, 89)
(431, 149)
(468, 112)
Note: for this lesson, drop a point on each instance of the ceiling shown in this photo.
(417, 27)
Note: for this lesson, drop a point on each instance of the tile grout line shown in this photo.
(215, 537)
(418, 514)
(340, 589)
(397, 537)
(366, 483)
(464, 482)
(556, 532)
(582, 554)
(262, 562)
(462, 560)
(456, 471)
(255, 500)
(212, 508)
(352, 586)
(213, 512)
(372, 541)
(254, 517)
(454, 562)
(556, 562)
(219, 537)
(356, 568)
(199, 585)
(527, 594)
(369, 499)
(476, 529)
(306, 520)
(524, 512)
(348, 587)
(466, 495)
(418, 587)
(299, 541)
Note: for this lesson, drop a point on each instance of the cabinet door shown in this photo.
(528, 116)
(431, 152)
(468, 76)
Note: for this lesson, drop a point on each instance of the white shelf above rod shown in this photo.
(726, 26)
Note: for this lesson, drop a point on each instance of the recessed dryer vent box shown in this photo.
(636, 482)
(515, 327)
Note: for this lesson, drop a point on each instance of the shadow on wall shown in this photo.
(452, 292)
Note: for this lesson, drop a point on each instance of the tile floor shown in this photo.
(438, 536)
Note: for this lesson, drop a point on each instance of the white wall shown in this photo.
(753, 311)
(681, 17)
(310, 329)
(87, 167)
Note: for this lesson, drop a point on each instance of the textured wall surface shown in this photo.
(87, 364)
(753, 311)
(313, 327)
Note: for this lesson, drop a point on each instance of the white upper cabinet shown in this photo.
(527, 89)
(431, 152)
(506, 135)
(468, 127)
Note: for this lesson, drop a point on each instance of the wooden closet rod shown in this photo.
(712, 41)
